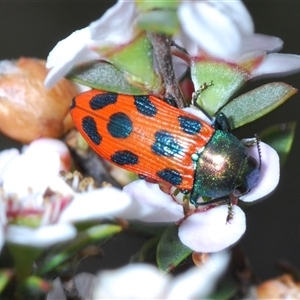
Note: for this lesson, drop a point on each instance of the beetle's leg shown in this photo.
(197, 93)
(171, 101)
(174, 44)
(230, 213)
(186, 204)
(216, 201)
(252, 142)
(195, 96)
(230, 200)
(221, 121)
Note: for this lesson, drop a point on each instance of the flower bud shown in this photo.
(27, 109)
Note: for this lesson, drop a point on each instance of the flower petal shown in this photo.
(100, 203)
(261, 42)
(199, 282)
(115, 27)
(153, 205)
(30, 171)
(180, 66)
(198, 113)
(205, 23)
(278, 64)
(67, 53)
(41, 237)
(85, 283)
(135, 281)
(208, 231)
(269, 173)
(3, 222)
(5, 157)
(50, 146)
(2, 237)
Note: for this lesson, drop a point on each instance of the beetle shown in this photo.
(146, 135)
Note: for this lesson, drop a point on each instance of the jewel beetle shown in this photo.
(146, 135)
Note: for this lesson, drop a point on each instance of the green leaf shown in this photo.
(5, 277)
(84, 239)
(23, 257)
(226, 290)
(226, 80)
(148, 252)
(257, 103)
(170, 251)
(280, 137)
(35, 285)
(161, 21)
(102, 75)
(145, 5)
(150, 229)
(136, 59)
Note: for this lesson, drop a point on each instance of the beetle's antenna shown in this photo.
(195, 96)
(258, 149)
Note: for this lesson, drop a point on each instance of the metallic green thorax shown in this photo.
(223, 168)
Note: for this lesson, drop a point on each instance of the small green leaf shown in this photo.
(226, 79)
(257, 103)
(102, 75)
(150, 229)
(170, 251)
(136, 60)
(5, 278)
(148, 252)
(24, 257)
(226, 290)
(145, 5)
(35, 285)
(85, 238)
(161, 21)
(280, 137)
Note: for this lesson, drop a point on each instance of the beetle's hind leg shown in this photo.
(230, 200)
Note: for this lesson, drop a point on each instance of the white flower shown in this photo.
(224, 30)
(214, 27)
(39, 208)
(3, 221)
(113, 30)
(84, 282)
(34, 167)
(205, 230)
(142, 281)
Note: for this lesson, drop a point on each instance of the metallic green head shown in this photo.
(224, 168)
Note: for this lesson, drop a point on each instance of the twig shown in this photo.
(162, 50)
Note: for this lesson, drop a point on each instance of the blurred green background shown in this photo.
(32, 28)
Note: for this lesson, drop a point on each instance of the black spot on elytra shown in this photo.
(90, 128)
(170, 175)
(73, 103)
(124, 158)
(171, 101)
(165, 144)
(145, 106)
(119, 125)
(100, 101)
(189, 125)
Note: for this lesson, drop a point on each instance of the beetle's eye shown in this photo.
(248, 177)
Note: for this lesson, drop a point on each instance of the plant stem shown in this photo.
(162, 50)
